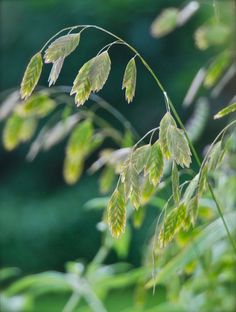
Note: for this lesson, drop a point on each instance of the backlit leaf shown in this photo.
(129, 80)
(17, 130)
(211, 35)
(217, 68)
(225, 111)
(38, 105)
(178, 146)
(175, 183)
(61, 47)
(11, 132)
(80, 139)
(165, 22)
(31, 75)
(106, 179)
(28, 128)
(116, 212)
(72, 169)
(138, 217)
(165, 123)
(155, 164)
(121, 246)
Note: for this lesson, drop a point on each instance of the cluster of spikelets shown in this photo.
(142, 169)
(90, 78)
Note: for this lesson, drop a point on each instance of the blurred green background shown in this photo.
(42, 220)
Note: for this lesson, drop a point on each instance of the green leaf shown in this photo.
(38, 105)
(7, 273)
(140, 157)
(155, 164)
(129, 80)
(28, 129)
(138, 217)
(128, 139)
(55, 71)
(61, 47)
(175, 183)
(165, 22)
(217, 68)
(79, 141)
(211, 234)
(121, 246)
(72, 169)
(99, 71)
(165, 123)
(116, 212)
(106, 179)
(225, 111)
(31, 75)
(178, 146)
(17, 130)
(211, 35)
(39, 283)
(173, 222)
(11, 132)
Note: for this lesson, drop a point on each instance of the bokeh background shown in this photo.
(43, 223)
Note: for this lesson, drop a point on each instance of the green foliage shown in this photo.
(77, 149)
(217, 68)
(17, 130)
(226, 111)
(129, 80)
(211, 35)
(106, 179)
(38, 105)
(31, 75)
(165, 22)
